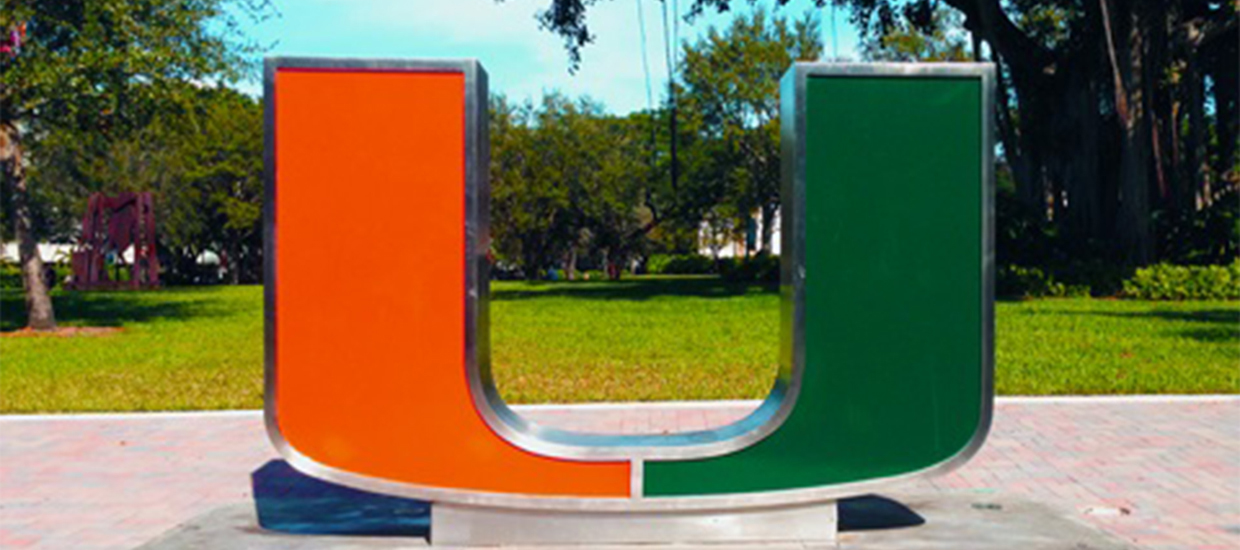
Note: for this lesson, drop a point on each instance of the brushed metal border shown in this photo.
(509, 424)
(574, 445)
(985, 74)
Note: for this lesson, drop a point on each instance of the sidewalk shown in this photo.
(1158, 472)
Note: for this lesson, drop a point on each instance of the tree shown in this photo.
(203, 161)
(941, 38)
(731, 79)
(528, 199)
(104, 67)
(1104, 106)
(213, 198)
(567, 181)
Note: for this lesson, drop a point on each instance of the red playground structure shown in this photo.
(110, 227)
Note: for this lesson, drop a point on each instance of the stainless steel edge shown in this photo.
(271, 66)
(372, 64)
(986, 415)
(269, 256)
(985, 73)
(564, 444)
(811, 495)
(490, 405)
(507, 423)
(952, 69)
(637, 478)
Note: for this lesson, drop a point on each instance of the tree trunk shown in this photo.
(1219, 60)
(1194, 193)
(39, 312)
(530, 252)
(1078, 159)
(234, 261)
(1126, 50)
(768, 227)
(1133, 226)
(1157, 57)
(1029, 183)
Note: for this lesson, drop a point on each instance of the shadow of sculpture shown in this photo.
(291, 502)
(288, 501)
(871, 512)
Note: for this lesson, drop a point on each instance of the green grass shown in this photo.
(1090, 346)
(664, 339)
(190, 348)
(677, 338)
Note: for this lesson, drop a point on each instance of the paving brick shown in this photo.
(1160, 474)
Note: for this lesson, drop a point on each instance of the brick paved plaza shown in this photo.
(1157, 472)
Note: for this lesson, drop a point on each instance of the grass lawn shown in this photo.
(201, 348)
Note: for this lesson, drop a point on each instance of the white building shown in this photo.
(50, 252)
(718, 242)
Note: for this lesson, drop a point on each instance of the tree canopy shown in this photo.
(101, 71)
(567, 181)
(1117, 118)
(572, 183)
(1117, 122)
(731, 80)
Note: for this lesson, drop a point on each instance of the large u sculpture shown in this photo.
(378, 362)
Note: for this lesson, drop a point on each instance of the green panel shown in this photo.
(892, 381)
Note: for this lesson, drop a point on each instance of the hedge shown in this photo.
(1185, 282)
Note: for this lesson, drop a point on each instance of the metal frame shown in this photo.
(635, 448)
(792, 133)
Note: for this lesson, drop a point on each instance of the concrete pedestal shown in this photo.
(455, 525)
(910, 521)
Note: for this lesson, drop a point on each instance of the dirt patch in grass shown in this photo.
(62, 332)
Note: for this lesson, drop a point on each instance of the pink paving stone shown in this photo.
(1174, 465)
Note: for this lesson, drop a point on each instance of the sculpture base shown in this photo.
(457, 525)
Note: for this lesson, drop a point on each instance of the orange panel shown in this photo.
(370, 289)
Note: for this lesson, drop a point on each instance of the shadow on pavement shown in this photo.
(291, 502)
(870, 512)
(288, 501)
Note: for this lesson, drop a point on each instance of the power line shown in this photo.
(667, 45)
(835, 35)
(671, 98)
(676, 31)
(641, 22)
(654, 130)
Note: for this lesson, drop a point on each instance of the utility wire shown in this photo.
(641, 22)
(676, 31)
(654, 129)
(671, 97)
(835, 35)
(667, 44)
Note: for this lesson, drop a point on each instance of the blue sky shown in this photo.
(522, 60)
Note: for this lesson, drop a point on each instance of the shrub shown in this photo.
(1210, 236)
(761, 269)
(10, 276)
(1022, 236)
(679, 264)
(1096, 277)
(1180, 282)
(1014, 281)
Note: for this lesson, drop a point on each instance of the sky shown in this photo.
(522, 60)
